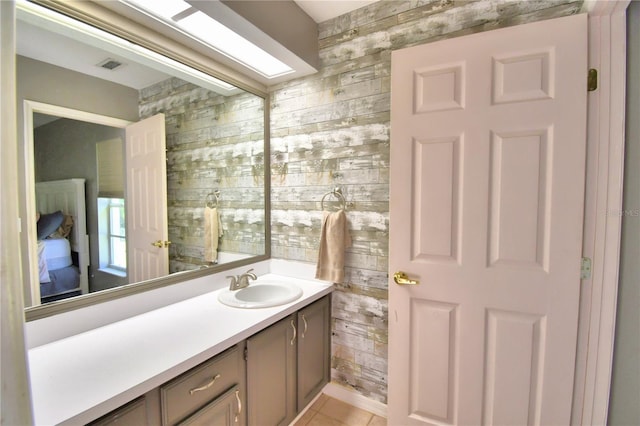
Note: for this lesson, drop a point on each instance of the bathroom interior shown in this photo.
(257, 159)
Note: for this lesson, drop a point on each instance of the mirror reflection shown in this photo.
(139, 170)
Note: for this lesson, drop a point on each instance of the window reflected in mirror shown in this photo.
(112, 231)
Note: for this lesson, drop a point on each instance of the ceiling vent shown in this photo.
(110, 64)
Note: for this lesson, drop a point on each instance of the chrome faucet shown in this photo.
(241, 281)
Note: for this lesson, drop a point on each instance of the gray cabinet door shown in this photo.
(314, 324)
(271, 374)
(223, 411)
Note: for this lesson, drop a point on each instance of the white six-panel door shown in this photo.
(487, 186)
(146, 205)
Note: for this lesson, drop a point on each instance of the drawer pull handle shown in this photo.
(205, 387)
(304, 330)
(239, 405)
(293, 340)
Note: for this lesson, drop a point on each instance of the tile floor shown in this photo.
(327, 411)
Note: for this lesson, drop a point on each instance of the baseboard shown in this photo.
(305, 409)
(351, 397)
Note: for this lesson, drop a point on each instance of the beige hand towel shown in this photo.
(212, 232)
(334, 239)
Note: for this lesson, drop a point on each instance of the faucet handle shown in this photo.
(233, 279)
(249, 275)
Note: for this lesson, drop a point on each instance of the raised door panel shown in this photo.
(313, 350)
(271, 374)
(223, 411)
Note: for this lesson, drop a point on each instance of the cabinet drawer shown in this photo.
(195, 388)
(132, 414)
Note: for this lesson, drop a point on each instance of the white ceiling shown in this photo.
(323, 10)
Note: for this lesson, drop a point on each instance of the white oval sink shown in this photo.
(261, 294)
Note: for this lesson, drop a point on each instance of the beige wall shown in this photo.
(624, 408)
(38, 81)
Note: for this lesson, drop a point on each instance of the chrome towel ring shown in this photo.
(213, 198)
(336, 192)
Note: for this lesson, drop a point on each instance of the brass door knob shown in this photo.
(402, 279)
(161, 244)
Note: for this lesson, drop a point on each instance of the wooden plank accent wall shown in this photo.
(213, 142)
(332, 129)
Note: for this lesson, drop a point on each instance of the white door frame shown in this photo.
(605, 166)
(29, 108)
(15, 399)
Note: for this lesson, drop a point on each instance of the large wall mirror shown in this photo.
(138, 171)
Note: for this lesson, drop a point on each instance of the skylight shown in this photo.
(203, 28)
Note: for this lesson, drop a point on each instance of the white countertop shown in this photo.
(82, 377)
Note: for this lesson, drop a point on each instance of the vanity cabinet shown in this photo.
(265, 380)
(213, 393)
(287, 365)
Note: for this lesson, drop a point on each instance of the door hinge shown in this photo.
(592, 80)
(246, 353)
(585, 268)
